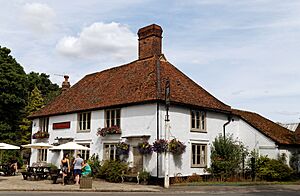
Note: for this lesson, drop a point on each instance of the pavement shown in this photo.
(16, 183)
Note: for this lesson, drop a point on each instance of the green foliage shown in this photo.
(226, 157)
(13, 85)
(34, 103)
(272, 169)
(294, 161)
(144, 175)
(95, 165)
(20, 96)
(47, 89)
(112, 170)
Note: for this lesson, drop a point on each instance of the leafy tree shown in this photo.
(226, 156)
(13, 86)
(43, 83)
(35, 102)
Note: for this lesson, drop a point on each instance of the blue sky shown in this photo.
(246, 52)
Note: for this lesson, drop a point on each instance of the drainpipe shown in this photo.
(224, 126)
(157, 137)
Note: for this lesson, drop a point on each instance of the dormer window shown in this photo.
(113, 118)
(198, 120)
(84, 121)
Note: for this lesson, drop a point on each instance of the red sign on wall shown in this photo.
(61, 125)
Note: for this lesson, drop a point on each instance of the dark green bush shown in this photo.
(112, 170)
(226, 157)
(272, 169)
(95, 165)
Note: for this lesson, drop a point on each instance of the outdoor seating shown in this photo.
(36, 172)
(7, 170)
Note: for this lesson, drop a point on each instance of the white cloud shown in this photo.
(112, 41)
(38, 17)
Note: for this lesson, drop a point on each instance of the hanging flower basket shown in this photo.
(160, 146)
(122, 148)
(176, 147)
(40, 135)
(108, 130)
(145, 148)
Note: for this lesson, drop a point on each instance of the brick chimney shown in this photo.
(65, 84)
(150, 38)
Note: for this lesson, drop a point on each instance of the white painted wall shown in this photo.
(141, 120)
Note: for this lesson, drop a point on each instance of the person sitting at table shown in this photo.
(65, 167)
(77, 168)
(14, 166)
(86, 168)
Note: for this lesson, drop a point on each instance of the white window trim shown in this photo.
(110, 119)
(206, 155)
(44, 124)
(115, 151)
(204, 129)
(42, 156)
(78, 122)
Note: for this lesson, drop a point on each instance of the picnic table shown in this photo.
(37, 172)
(7, 170)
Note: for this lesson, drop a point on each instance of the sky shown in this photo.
(245, 53)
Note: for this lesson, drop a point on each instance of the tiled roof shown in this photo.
(272, 130)
(137, 82)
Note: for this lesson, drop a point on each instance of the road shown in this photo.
(261, 193)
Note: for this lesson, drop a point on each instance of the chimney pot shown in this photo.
(65, 84)
(150, 41)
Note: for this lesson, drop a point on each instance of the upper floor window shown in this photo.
(199, 155)
(198, 120)
(44, 124)
(84, 121)
(113, 118)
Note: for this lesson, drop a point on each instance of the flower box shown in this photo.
(108, 130)
(40, 135)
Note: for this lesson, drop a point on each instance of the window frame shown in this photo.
(108, 157)
(195, 120)
(85, 154)
(200, 165)
(44, 124)
(115, 121)
(42, 155)
(84, 120)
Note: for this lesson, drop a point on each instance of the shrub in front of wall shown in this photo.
(112, 170)
(272, 169)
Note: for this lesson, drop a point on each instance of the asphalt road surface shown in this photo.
(261, 193)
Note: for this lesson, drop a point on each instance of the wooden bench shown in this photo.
(26, 175)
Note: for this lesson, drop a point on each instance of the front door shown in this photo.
(137, 159)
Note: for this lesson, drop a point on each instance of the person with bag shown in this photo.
(65, 167)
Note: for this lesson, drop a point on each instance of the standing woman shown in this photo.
(65, 166)
(78, 162)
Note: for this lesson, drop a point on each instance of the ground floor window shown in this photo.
(199, 155)
(85, 154)
(42, 155)
(110, 152)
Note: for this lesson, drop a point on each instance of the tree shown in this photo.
(13, 86)
(226, 156)
(35, 102)
(48, 90)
